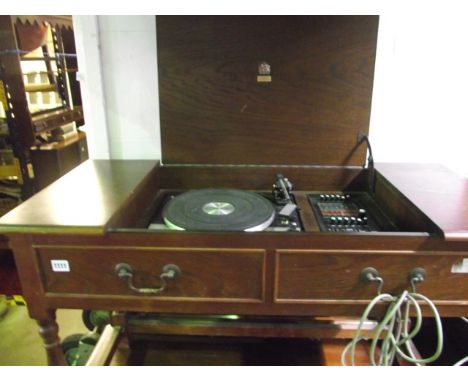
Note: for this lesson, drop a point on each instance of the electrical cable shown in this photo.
(393, 330)
(462, 361)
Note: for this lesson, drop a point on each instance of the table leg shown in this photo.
(48, 329)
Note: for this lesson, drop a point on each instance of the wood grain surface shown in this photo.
(205, 273)
(441, 194)
(83, 200)
(213, 110)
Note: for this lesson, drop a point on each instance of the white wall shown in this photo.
(87, 42)
(419, 107)
(127, 66)
(419, 102)
(130, 76)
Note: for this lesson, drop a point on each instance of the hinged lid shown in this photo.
(267, 90)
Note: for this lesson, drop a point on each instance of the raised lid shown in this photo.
(218, 106)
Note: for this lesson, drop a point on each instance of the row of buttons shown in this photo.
(333, 197)
(348, 229)
(338, 220)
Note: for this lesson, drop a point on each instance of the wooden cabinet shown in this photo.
(269, 275)
(223, 128)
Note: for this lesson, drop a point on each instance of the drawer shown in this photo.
(215, 274)
(308, 276)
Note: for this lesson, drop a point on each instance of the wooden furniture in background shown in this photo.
(53, 160)
(36, 48)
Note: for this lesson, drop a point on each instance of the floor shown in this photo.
(20, 343)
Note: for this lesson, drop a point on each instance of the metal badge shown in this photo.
(264, 72)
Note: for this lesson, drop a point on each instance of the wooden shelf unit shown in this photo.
(27, 127)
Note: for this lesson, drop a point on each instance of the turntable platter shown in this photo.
(219, 210)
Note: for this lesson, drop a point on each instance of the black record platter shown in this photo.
(178, 212)
(216, 209)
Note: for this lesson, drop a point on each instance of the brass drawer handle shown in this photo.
(169, 272)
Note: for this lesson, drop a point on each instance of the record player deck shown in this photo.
(226, 209)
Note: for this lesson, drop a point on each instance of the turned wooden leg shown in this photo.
(48, 329)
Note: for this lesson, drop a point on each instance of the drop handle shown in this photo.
(169, 272)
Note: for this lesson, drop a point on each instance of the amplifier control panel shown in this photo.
(348, 212)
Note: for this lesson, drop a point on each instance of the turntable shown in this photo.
(224, 209)
(219, 210)
(247, 103)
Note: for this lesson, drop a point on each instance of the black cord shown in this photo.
(370, 162)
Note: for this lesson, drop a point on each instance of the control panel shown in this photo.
(348, 212)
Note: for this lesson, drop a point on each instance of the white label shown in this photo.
(60, 265)
(461, 267)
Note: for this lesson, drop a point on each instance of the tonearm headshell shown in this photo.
(281, 189)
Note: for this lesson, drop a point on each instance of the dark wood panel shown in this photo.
(206, 273)
(83, 200)
(332, 349)
(328, 275)
(51, 161)
(300, 240)
(213, 109)
(262, 177)
(53, 119)
(400, 210)
(436, 191)
(209, 351)
(245, 326)
(308, 218)
(141, 204)
(138, 304)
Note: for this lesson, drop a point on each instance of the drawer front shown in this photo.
(206, 273)
(307, 276)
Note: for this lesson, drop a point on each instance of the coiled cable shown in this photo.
(393, 330)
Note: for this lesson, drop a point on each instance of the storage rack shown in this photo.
(24, 131)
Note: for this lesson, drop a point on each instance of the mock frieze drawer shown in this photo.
(327, 276)
(205, 274)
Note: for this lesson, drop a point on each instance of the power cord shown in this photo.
(393, 329)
